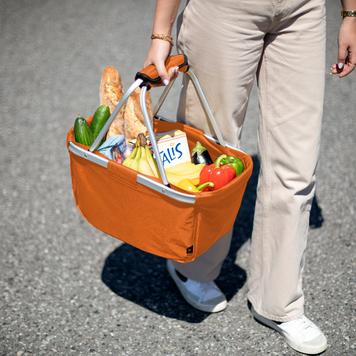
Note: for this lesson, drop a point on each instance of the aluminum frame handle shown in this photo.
(203, 101)
(206, 107)
(148, 122)
(151, 134)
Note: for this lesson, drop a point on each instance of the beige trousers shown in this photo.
(282, 43)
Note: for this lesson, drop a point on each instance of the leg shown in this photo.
(291, 89)
(225, 58)
(207, 267)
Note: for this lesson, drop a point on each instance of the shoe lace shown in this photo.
(307, 323)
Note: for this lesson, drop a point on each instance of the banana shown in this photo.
(136, 159)
(186, 168)
(129, 160)
(151, 162)
(176, 178)
(143, 165)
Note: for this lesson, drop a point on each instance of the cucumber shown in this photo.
(101, 115)
(82, 132)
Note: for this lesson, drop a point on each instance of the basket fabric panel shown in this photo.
(216, 216)
(116, 205)
(216, 211)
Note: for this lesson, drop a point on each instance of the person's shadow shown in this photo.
(142, 278)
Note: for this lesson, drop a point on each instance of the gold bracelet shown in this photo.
(163, 37)
(349, 13)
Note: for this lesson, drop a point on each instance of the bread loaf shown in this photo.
(129, 121)
(111, 91)
(133, 117)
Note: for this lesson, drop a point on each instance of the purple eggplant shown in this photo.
(200, 154)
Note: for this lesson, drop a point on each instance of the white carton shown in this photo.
(173, 148)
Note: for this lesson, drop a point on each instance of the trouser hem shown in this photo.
(288, 317)
(195, 276)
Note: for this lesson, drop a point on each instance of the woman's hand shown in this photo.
(347, 48)
(157, 55)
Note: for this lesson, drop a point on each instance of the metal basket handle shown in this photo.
(146, 78)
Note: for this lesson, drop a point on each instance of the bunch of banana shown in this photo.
(186, 170)
(141, 159)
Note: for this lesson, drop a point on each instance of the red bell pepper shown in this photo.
(219, 174)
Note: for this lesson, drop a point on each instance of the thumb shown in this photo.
(341, 56)
(162, 72)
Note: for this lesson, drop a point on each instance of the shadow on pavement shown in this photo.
(316, 219)
(142, 278)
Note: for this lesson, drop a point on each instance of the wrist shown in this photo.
(349, 19)
(162, 37)
(165, 28)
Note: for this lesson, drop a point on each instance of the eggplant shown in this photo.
(200, 154)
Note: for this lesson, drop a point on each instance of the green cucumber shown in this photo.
(82, 132)
(101, 115)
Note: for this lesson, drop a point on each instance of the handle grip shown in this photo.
(150, 76)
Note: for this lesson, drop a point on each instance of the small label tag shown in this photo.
(190, 250)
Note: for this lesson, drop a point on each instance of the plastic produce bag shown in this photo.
(115, 148)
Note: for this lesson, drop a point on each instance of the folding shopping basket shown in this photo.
(146, 212)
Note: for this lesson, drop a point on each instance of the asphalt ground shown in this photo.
(66, 288)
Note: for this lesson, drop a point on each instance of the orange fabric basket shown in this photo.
(144, 212)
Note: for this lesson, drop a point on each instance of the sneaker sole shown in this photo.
(202, 307)
(291, 343)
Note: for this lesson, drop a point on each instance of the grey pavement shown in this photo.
(66, 288)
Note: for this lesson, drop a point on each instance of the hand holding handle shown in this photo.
(150, 76)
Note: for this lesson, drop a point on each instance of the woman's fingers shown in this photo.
(166, 75)
(343, 69)
(348, 68)
(342, 55)
(162, 72)
(173, 72)
(157, 55)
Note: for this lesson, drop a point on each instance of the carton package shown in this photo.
(173, 148)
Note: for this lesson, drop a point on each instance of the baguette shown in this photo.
(133, 117)
(111, 91)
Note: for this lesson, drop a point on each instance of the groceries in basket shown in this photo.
(82, 131)
(200, 154)
(129, 121)
(173, 148)
(186, 170)
(127, 143)
(234, 162)
(115, 148)
(141, 159)
(86, 134)
(187, 184)
(218, 173)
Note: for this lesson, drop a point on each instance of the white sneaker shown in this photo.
(301, 334)
(205, 296)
